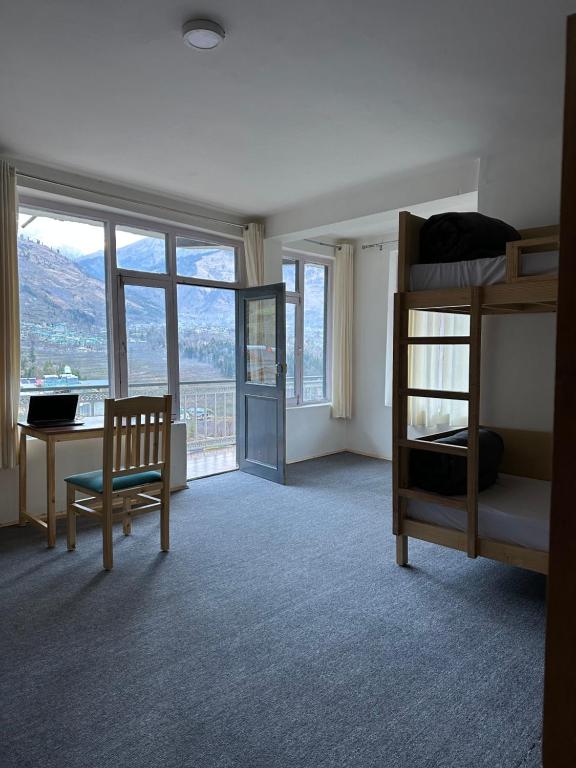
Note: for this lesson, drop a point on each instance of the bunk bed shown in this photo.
(508, 522)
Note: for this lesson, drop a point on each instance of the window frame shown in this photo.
(298, 298)
(117, 277)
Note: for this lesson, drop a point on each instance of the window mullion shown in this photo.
(172, 327)
(110, 310)
(299, 371)
(115, 293)
(122, 351)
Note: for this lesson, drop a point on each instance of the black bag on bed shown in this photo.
(449, 237)
(446, 474)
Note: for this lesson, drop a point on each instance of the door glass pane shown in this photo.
(289, 275)
(146, 340)
(140, 249)
(261, 341)
(205, 260)
(314, 362)
(207, 350)
(290, 350)
(63, 324)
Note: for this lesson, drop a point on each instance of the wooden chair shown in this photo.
(135, 474)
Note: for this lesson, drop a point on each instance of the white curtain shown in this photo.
(343, 308)
(9, 319)
(437, 367)
(254, 252)
(392, 289)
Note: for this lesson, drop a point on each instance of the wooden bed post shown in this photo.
(474, 363)
(559, 748)
(399, 426)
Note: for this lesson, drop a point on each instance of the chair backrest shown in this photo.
(136, 437)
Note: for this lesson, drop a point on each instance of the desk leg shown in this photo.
(22, 480)
(51, 491)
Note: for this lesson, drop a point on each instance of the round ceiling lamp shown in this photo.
(202, 34)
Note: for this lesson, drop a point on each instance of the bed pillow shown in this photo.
(449, 237)
(446, 474)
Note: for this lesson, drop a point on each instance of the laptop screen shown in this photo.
(44, 408)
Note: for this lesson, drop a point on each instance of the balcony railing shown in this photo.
(209, 410)
(207, 407)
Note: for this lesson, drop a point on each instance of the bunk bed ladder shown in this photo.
(402, 445)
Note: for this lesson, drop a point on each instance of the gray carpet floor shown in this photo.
(278, 632)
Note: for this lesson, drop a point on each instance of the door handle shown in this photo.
(281, 368)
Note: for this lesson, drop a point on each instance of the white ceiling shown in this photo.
(303, 98)
(385, 224)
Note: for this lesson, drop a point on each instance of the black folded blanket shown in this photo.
(449, 237)
(447, 474)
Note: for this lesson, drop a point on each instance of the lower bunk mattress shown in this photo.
(516, 510)
(469, 274)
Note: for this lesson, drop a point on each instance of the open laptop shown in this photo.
(53, 411)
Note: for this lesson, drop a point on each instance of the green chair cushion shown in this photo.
(92, 481)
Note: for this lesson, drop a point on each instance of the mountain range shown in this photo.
(148, 255)
(58, 288)
(71, 291)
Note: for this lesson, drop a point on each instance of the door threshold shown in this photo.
(212, 474)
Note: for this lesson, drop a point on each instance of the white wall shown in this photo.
(518, 365)
(310, 430)
(71, 458)
(57, 184)
(522, 186)
(370, 431)
(404, 190)
(519, 184)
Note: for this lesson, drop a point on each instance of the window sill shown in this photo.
(323, 404)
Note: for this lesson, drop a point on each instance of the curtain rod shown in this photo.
(130, 200)
(319, 242)
(380, 244)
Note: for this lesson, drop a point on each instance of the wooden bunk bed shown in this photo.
(526, 454)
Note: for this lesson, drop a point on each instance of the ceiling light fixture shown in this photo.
(202, 34)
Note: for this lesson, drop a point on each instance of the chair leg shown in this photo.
(107, 534)
(402, 550)
(70, 518)
(165, 518)
(126, 519)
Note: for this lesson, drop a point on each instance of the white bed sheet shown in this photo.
(465, 274)
(515, 510)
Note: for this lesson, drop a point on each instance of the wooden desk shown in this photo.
(93, 427)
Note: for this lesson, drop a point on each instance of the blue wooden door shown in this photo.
(261, 381)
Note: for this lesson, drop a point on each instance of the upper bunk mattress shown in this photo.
(516, 510)
(468, 274)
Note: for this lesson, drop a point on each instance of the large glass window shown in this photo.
(117, 295)
(205, 261)
(290, 275)
(140, 250)
(63, 309)
(146, 353)
(207, 356)
(291, 350)
(307, 280)
(314, 346)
